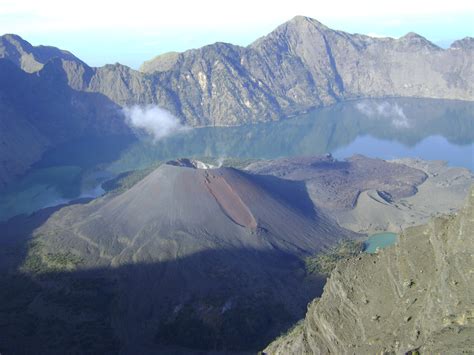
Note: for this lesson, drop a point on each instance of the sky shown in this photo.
(130, 32)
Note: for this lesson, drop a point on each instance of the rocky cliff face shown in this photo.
(120, 83)
(416, 295)
(303, 64)
(40, 110)
(300, 65)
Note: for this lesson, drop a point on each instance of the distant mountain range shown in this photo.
(300, 65)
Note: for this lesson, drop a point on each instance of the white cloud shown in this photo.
(378, 35)
(153, 120)
(384, 110)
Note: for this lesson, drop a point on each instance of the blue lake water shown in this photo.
(384, 128)
(430, 148)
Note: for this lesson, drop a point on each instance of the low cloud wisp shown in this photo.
(385, 110)
(153, 120)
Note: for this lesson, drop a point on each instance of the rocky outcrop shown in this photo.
(416, 295)
(300, 65)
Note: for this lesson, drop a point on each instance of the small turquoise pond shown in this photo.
(379, 240)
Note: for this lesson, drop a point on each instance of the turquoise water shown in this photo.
(380, 241)
(47, 187)
(384, 128)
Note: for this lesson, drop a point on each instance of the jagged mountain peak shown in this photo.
(298, 27)
(414, 39)
(28, 57)
(300, 65)
(300, 20)
(464, 43)
(12, 37)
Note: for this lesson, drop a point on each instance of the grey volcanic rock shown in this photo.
(300, 65)
(368, 195)
(121, 84)
(417, 295)
(442, 192)
(336, 185)
(210, 240)
(239, 209)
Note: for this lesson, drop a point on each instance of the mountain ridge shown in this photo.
(300, 65)
(40, 110)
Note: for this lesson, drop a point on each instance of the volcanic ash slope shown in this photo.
(177, 211)
(217, 241)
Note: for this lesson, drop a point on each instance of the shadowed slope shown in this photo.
(40, 111)
(222, 246)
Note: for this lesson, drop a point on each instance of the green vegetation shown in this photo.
(62, 261)
(33, 262)
(324, 262)
(38, 262)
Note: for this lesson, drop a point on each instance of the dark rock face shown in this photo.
(28, 57)
(416, 295)
(39, 111)
(300, 65)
